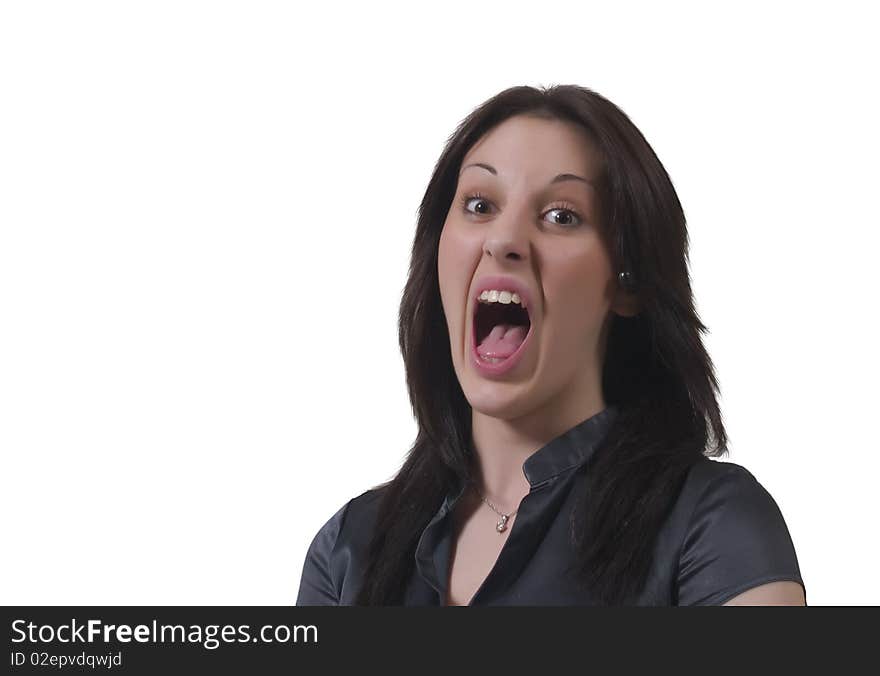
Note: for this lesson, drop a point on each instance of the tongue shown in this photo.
(502, 341)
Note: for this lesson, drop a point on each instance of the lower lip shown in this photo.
(487, 368)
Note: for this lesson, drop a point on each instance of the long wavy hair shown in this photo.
(656, 369)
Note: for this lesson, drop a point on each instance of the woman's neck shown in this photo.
(502, 446)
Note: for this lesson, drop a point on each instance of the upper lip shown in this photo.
(502, 283)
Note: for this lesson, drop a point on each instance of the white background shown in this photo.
(206, 211)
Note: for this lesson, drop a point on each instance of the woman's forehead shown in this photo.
(534, 148)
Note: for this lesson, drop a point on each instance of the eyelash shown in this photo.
(558, 206)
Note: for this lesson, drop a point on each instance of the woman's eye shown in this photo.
(570, 217)
(569, 214)
(479, 199)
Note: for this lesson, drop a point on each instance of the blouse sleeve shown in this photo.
(317, 587)
(736, 539)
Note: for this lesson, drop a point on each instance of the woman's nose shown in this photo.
(508, 237)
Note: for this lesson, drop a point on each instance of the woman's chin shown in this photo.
(499, 399)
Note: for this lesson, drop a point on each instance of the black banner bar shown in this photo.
(262, 640)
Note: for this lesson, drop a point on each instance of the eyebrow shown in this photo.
(559, 178)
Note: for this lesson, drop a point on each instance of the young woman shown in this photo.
(566, 405)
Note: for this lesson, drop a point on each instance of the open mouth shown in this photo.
(499, 329)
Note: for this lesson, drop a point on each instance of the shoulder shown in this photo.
(336, 548)
(353, 518)
(722, 483)
(707, 471)
(735, 536)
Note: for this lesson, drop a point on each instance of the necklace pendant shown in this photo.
(502, 523)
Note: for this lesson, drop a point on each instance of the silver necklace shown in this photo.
(501, 526)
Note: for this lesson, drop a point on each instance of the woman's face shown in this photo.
(539, 230)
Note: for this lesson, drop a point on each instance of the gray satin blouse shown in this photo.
(724, 535)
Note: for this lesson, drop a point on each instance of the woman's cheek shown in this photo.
(449, 273)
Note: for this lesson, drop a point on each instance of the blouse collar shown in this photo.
(573, 448)
(570, 449)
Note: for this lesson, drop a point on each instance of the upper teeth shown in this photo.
(493, 296)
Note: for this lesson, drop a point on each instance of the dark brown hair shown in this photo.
(656, 370)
